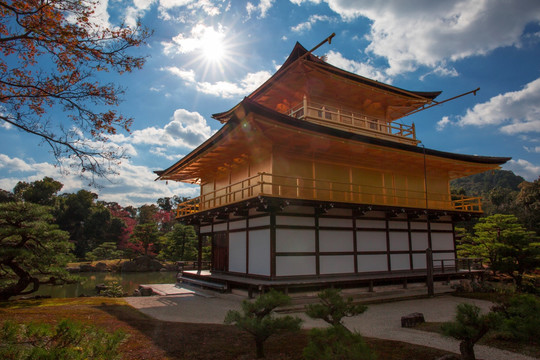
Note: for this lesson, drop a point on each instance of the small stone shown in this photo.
(412, 320)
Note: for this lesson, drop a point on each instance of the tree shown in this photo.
(469, 327)
(33, 251)
(528, 200)
(257, 318)
(67, 340)
(506, 245)
(53, 52)
(337, 341)
(72, 212)
(333, 308)
(145, 235)
(41, 192)
(518, 253)
(520, 318)
(105, 251)
(180, 243)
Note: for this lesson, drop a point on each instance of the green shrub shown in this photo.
(114, 290)
(469, 327)
(336, 343)
(521, 318)
(257, 318)
(333, 307)
(105, 251)
(67, 340)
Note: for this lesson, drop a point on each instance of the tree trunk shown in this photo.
(467, 350)
(260, 348)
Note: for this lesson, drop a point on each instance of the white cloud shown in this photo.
(224, 89)
(428, 33)
(186, 75)
(441, 71)
(367, 70)
(313, 19)
(443, 123)
(13, 164)
(529, 171)
(134, 184)
(186, 129)
(516, 112)
(531, 149)
(162, 152)
(262, 8)
(175, 10)
(200, 36)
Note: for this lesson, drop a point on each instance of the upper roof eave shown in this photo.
(247, 106)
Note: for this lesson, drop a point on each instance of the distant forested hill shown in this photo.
(483, 184)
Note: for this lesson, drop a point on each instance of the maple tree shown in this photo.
(52, 53)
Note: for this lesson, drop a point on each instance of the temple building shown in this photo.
(312, 180)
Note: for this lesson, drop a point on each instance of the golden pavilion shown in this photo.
(311, 181)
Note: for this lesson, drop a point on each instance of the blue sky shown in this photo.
(205, 56)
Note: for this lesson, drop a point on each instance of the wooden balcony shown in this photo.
(351, 121)
(265, 184)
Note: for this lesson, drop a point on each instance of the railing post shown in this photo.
(305, 106)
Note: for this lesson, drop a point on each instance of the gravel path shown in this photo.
(379, 321)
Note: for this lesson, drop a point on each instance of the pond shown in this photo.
(129, 282)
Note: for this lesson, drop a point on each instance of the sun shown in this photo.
(213, 47)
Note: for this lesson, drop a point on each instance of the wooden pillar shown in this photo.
(199, 254)
(429, 265)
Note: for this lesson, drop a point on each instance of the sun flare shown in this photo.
(213, 47)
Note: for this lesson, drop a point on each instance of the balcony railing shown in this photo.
(265, 184)
(352, 121)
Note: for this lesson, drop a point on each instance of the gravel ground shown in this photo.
(379, 321)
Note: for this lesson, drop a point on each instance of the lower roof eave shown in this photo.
(272, 204)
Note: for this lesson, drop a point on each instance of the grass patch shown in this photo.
(154, 339)
(492, 340)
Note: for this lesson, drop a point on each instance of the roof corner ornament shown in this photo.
(328, 39)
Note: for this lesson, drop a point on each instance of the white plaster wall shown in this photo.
(206, 229)
(397, 225)
(259, 252)
(442, 241)
(419, 261)
(400, 261)
(295, 220)
(371, 240)
(419, 241)
(347, 223)
(441, 226)
(295, 265)
(376, 224)
(259, 221)
(399, 241)
(241, 224)
(336, 264)
(237, 251)
(449, 256)
(295, 240)
(368, 263)
(415, 225)
(331, 240)
(220, 227)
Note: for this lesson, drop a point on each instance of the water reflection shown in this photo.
(129, 282)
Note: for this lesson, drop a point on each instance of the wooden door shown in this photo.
(220, 251)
